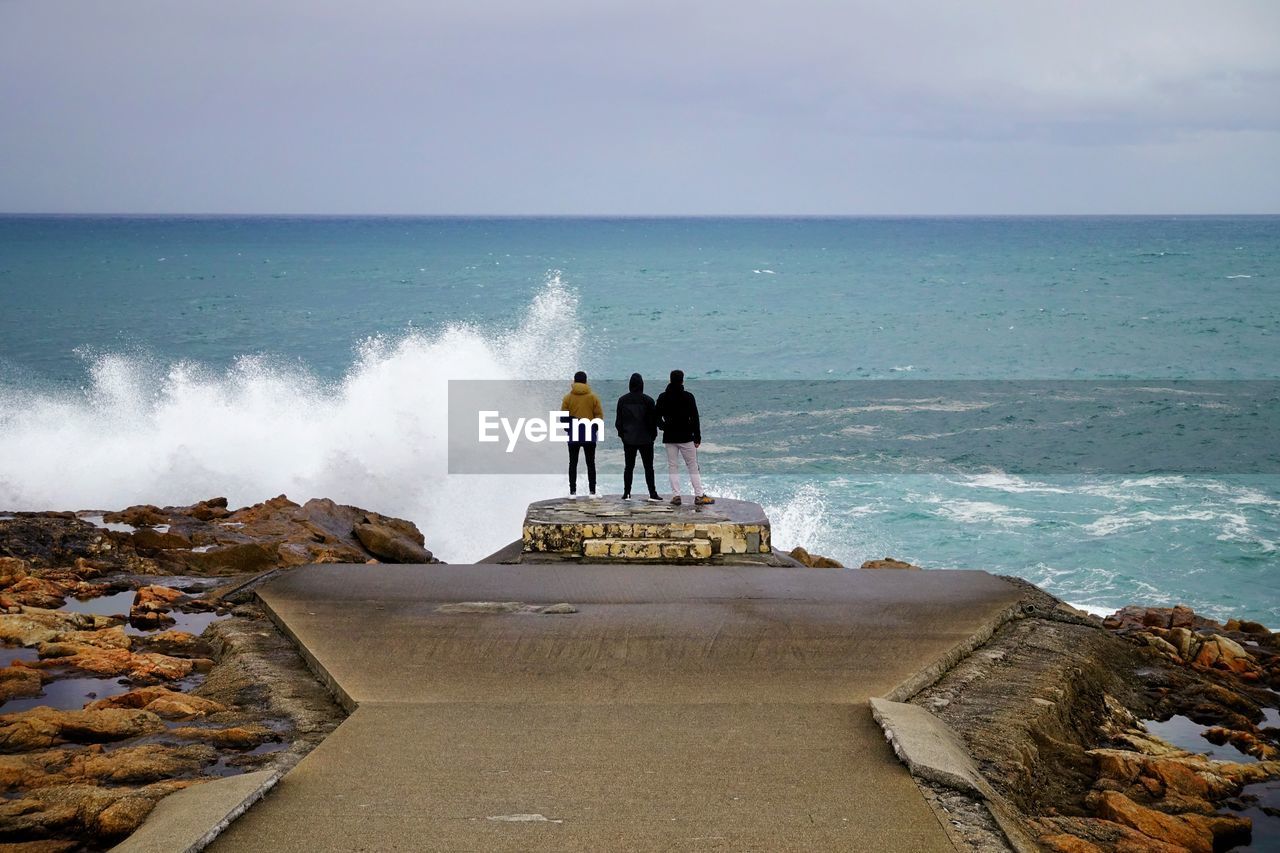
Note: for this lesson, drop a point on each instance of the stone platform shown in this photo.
(608, 529)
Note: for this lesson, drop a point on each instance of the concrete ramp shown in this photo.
(680, 708)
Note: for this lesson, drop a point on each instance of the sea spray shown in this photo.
(139, 432)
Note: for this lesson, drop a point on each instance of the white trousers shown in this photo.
(690, 454)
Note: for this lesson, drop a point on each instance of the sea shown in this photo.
(856, 376)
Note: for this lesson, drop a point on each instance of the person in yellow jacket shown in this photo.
(583, 405)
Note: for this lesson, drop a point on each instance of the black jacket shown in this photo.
(637, 419)
(678, 416)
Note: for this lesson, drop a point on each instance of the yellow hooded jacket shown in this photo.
(582, 402)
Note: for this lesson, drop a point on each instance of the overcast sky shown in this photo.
(643, 106)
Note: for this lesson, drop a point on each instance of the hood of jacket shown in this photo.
(580, 388)
(637, 382)
(672, 386)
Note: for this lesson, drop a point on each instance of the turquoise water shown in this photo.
(168, 359)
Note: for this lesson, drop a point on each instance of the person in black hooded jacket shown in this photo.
(682, 435)
(637, 425)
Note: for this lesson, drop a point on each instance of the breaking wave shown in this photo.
(173, 434)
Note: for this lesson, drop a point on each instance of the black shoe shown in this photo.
(654, 498)
(626, 497)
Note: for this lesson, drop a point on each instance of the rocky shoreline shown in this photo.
(1061, 711)
(138, 666)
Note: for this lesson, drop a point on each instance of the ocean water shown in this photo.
(170, 359)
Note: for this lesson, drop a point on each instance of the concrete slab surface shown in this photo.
(186, 821)
(681, 708)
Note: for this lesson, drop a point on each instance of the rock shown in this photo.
(34, 626)
(1246, 742)
(1181, 830)
(37, 592)
(392, 543)
(47, 845)
(140, 667)
(1219, 652)
(1161, 645)
(147, 539)
(17, 682)
(104, 638)
(1063, 843)
(178, 643)
(162, 702)
(1156, 617)
(108, 813)
(12, 570)
(156, 599)
(143, 515)
(888, 563)
(1184, 642)
(141, 764)
(813, 561)
(40, 728)
(235, 737)
(244, 558)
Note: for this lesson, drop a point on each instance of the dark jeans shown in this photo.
(646, 456)
(588, 449)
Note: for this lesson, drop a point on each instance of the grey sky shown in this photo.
(645, 106)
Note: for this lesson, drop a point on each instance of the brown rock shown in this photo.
(47, 845)
(156, 599)
(1180, 830)
(1219, 652)
(813, 561)
(34, 626)
(888, 563)
(142, 764)
(391, 542)
(12, 570)
(235, 737)
(108, 813)
(142, 667)
(19, 682)
(178, 643)
(1063, 843)
(148, 539)
(162, 702)
(144, 515)
(40, 728)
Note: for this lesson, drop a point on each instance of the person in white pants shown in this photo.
(682, 435)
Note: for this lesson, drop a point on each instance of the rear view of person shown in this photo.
(637, 425)
(582, 405)
(682, 435)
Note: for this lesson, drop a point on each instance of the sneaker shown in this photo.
(675, 501)
(573, 496)
(703, 500)
(626, 497)
(653, 499)
(593, 496)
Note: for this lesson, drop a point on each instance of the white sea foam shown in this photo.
(377, 438)
(982, 512)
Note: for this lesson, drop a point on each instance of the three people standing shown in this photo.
(638, 421)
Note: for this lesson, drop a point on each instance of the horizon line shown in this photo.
(313, 215)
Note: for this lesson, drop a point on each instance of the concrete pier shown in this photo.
(690, 707)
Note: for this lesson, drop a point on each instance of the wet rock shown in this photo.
(161, 701)
(43, 727)
(888, 563)
(1245, 626)
(178, 643)
(1221, 652)
(813, 561)
(107, 813)
(1192, 832)
(1156, 617)
(140, 667)
(12, 570)
(141, 764)
(19, 682)
(142, 515)
(34, 626)
(156, 598)
(104, 638)
(1246, 742)
(234, 737)
(37, 592)
(148, 539)
(392, 543)
(244, 558)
